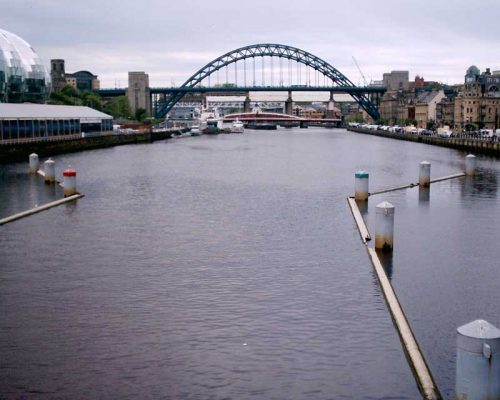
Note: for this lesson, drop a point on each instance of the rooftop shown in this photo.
(40, 111)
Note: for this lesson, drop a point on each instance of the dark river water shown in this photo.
(230, 267)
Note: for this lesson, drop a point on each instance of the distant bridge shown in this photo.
(279, 119)
(164, 99)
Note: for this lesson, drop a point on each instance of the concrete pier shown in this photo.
(34, 163)
(424, 178)
(289, 104)
(49, 171)
(470, 165)
(69, 183)
(246, 103)
(478, 361)
(384, 226)
(361, 183)
(416, 359)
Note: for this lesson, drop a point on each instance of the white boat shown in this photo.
(195, 130)
(237, 127)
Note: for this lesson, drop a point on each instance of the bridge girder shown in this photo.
(272, 50)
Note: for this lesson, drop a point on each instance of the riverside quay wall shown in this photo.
(15, 152)
(477, 146)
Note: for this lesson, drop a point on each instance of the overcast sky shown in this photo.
(170, 40)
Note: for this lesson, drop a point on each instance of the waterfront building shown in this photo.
(478, 106)
(23, 77)
(40, 122)
(445, 112)
(425, 107)
(396, 80)
(138, 92)
(81, 80)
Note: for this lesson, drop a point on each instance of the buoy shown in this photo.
(50, 171)
(384, 226)
(34, 163)
(424, 178)
(361, 185)
(69, 184)
(470, 165)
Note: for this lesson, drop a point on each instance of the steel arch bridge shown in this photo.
(340, 82)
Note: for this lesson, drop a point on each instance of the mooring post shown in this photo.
(50, 171)
(69, 177)
(34, 163)
(478, 361)
(361, 185)
(470, 165)
(384, 226)
(424, 178)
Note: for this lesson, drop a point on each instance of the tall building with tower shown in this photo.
(57, 74)
(138, 92)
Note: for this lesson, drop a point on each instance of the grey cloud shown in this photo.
(437, 39)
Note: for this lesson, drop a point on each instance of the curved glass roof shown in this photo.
(23, 77)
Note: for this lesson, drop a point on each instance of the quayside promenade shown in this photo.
(468, 144)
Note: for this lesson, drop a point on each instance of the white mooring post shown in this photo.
(384, 226)
(50, 171)
(34, 163)
(478, 361)
(69, 182)
(361, 185)
(424, 178)
(470, 165)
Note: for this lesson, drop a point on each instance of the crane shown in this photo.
(359, 69)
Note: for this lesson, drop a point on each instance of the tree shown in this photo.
(141, 114)
(91, 100)
(431, 124)
(118, 107)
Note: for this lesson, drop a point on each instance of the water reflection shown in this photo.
(386, 259)
(70, 207)
(363, 208)
(483, 184)
(424, 195)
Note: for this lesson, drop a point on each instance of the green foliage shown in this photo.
(118, 107)
(431, 124)
(70, 91)
(409, 122)
(68, 95)
(141, 115)
(353, 118)
(91, 100)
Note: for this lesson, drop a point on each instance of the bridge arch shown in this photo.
(272, 50)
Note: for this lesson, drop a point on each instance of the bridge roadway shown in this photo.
(280, 119)
(239, 89)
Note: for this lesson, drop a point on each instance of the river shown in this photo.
(230, 266)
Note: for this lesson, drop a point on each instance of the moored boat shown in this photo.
(195, 130)
(237, 127)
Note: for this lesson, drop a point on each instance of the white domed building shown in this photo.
(23, 77)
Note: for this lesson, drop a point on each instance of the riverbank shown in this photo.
(469, 145)
(20, 151)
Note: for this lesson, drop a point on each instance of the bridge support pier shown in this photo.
(330, 108)
(246, 103)
(289, 104)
